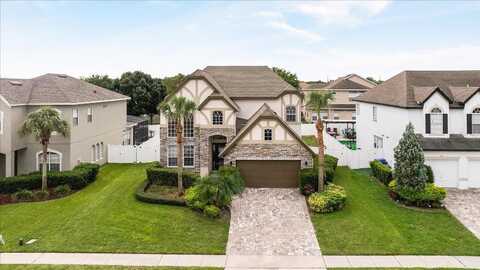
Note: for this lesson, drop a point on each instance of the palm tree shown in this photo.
(41, 124)
(317, 102)
(177, 109)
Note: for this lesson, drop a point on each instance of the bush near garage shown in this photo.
(431, 196)
(381, 171)
(77, 178)
(330, 200)
(309, 177)
(430, 177)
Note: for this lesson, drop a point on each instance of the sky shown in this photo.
(315, 40)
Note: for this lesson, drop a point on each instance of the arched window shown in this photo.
(436, 121)
(188, 126)
(473, 121)
(54, 160)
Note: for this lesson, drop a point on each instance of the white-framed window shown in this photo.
(97, 157)
(291, 114)
(54, 160)
(1, 122)
(336, 116)
(476, 121)
(172, 156)
(188, 126)
(90, 114)
(436, 121)
(324, 115)
(172, 127)
(354, 116)
(94, 151)
(267, 134)
(314, 117)
(217, 117)
(377, 142)
(75, 119)
(374, 113)
(189, 155)
(101, 150)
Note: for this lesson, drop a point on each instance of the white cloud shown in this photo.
(269, 14)
(341, 12)
(295, 31)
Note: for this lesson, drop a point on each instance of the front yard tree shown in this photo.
(410, 170)
(317, 102)
(177, 109)
(288, 76)
(41, 124)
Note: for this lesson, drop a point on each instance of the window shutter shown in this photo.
(445, 123)
(427, 123)
(469, 123)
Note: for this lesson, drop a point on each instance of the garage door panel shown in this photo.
(445, 172)
(474, 173)
(270, 173)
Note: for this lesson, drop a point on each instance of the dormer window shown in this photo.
(267, 134)
(436, 122)
(217, 117)
(473, 122)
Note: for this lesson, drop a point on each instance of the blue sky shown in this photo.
(317, 40)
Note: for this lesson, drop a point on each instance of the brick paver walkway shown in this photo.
(465, 206)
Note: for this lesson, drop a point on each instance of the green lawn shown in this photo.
(85, 267)
(105, 217)
(310, 140)
(372, 224)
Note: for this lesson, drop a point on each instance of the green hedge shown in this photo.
(431, 196)
(144, 196)
(77, 178)
(168, 177)
(309, 177)
(381, 171)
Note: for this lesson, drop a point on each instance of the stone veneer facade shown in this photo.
(270, 151)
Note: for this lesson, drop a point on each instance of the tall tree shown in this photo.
(171, 83)
(177, 109)
(410, 170)
(100, 80)
(288, 76)
(317, 102)
(41, 124)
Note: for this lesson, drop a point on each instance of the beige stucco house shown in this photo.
(247, 116)
(96, 116)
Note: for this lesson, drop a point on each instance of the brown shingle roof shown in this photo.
(249, 81)
(54, 89)
(345, 83)
(409, 89)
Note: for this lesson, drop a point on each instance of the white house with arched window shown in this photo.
(443, 106)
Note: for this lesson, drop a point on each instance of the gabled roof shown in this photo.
(54, 89)
(264, 112)
(409, 89)
(346, 82)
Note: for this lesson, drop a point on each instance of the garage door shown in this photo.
(270, 173)
(474, 173)
(445, 171)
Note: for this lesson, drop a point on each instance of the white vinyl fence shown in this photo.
(148, 151)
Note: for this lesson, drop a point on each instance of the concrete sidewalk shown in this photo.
(242, 262)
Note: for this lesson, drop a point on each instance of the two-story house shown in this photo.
(443, 106)
(341, 112)
(96, 116)
(247, 116)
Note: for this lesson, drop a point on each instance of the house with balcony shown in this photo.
(96, 117)
(443, 106)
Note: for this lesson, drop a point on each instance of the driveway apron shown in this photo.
(266, 221)
(465, 206)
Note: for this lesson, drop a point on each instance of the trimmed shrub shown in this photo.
(148, 197)
(381, 171)
(309, 177)
(430, 196)
(41, 195)
(77, 178)
(233, 179)
(24, 195)
(168, 177)
(332, 199)
(429, 171)
(211, 211)
(62, 190)
(192, 198)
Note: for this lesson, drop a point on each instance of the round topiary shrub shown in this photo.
(211, 211)
(24, 195)
(41, 195)
(332, 199)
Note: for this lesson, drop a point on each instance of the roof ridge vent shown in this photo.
(15, 83)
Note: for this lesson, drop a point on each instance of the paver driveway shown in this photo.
(268, 221)
(465, 206)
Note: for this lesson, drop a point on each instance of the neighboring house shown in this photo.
(136, 131)
(340, 113)
(247, 116)
(96, 116)
(443, 106)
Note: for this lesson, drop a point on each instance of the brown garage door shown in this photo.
(270, 173)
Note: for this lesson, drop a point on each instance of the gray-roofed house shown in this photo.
(247, 116)
(97, 117)
(443, 106)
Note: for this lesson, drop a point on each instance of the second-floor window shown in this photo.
(188, 126)
(1, 123)
(436, 122)
(217, 118)
(267, 134)
(75, 117)
(291, 114)
(473, 122)
(172, 127)
(89, 114)
(374, 113)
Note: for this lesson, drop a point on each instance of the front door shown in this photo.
(217, 161)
